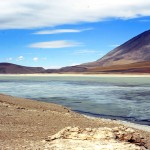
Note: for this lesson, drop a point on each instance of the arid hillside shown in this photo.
(8, 68)
(136, 49)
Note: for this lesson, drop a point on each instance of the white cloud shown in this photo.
(35, 59)
(22, 14)
(20, 58)
(58, 31)
(55, 44)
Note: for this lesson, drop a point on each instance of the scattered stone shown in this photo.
(20, 108)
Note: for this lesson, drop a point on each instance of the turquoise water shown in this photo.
(124, 98)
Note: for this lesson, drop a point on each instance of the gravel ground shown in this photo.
(26, 124)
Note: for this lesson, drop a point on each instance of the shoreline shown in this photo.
(24, 120)
(79, 75)
(117, 120)
(120, 120)
(135, 125)
(123, 122)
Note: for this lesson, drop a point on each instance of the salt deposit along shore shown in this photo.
(29, 124)
(80, 75)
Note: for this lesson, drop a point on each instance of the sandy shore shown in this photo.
(25, 121)
(81, 75)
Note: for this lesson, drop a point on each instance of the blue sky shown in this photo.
(53, 34)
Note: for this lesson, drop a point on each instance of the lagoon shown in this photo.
(124, 98)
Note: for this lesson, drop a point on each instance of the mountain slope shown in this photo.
(136, 49)
(139, 67)
(6, 68)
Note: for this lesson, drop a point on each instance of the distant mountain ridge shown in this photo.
(8, 68)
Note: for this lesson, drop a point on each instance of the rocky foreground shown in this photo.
(33, 125)
(118, 138)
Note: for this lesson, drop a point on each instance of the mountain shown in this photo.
(8, 68)
(135, 50)
(73, 69)
(139, 67)
(131, 57)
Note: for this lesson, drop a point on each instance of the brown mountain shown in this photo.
(8, 68)
(131, 57)
(139, 67)
(135, 50)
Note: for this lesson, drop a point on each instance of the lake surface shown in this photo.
(125, 98)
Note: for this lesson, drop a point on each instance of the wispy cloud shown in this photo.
(35, 59)
(20, 58)
(55, 44)
(23, 14)
(59, 31)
